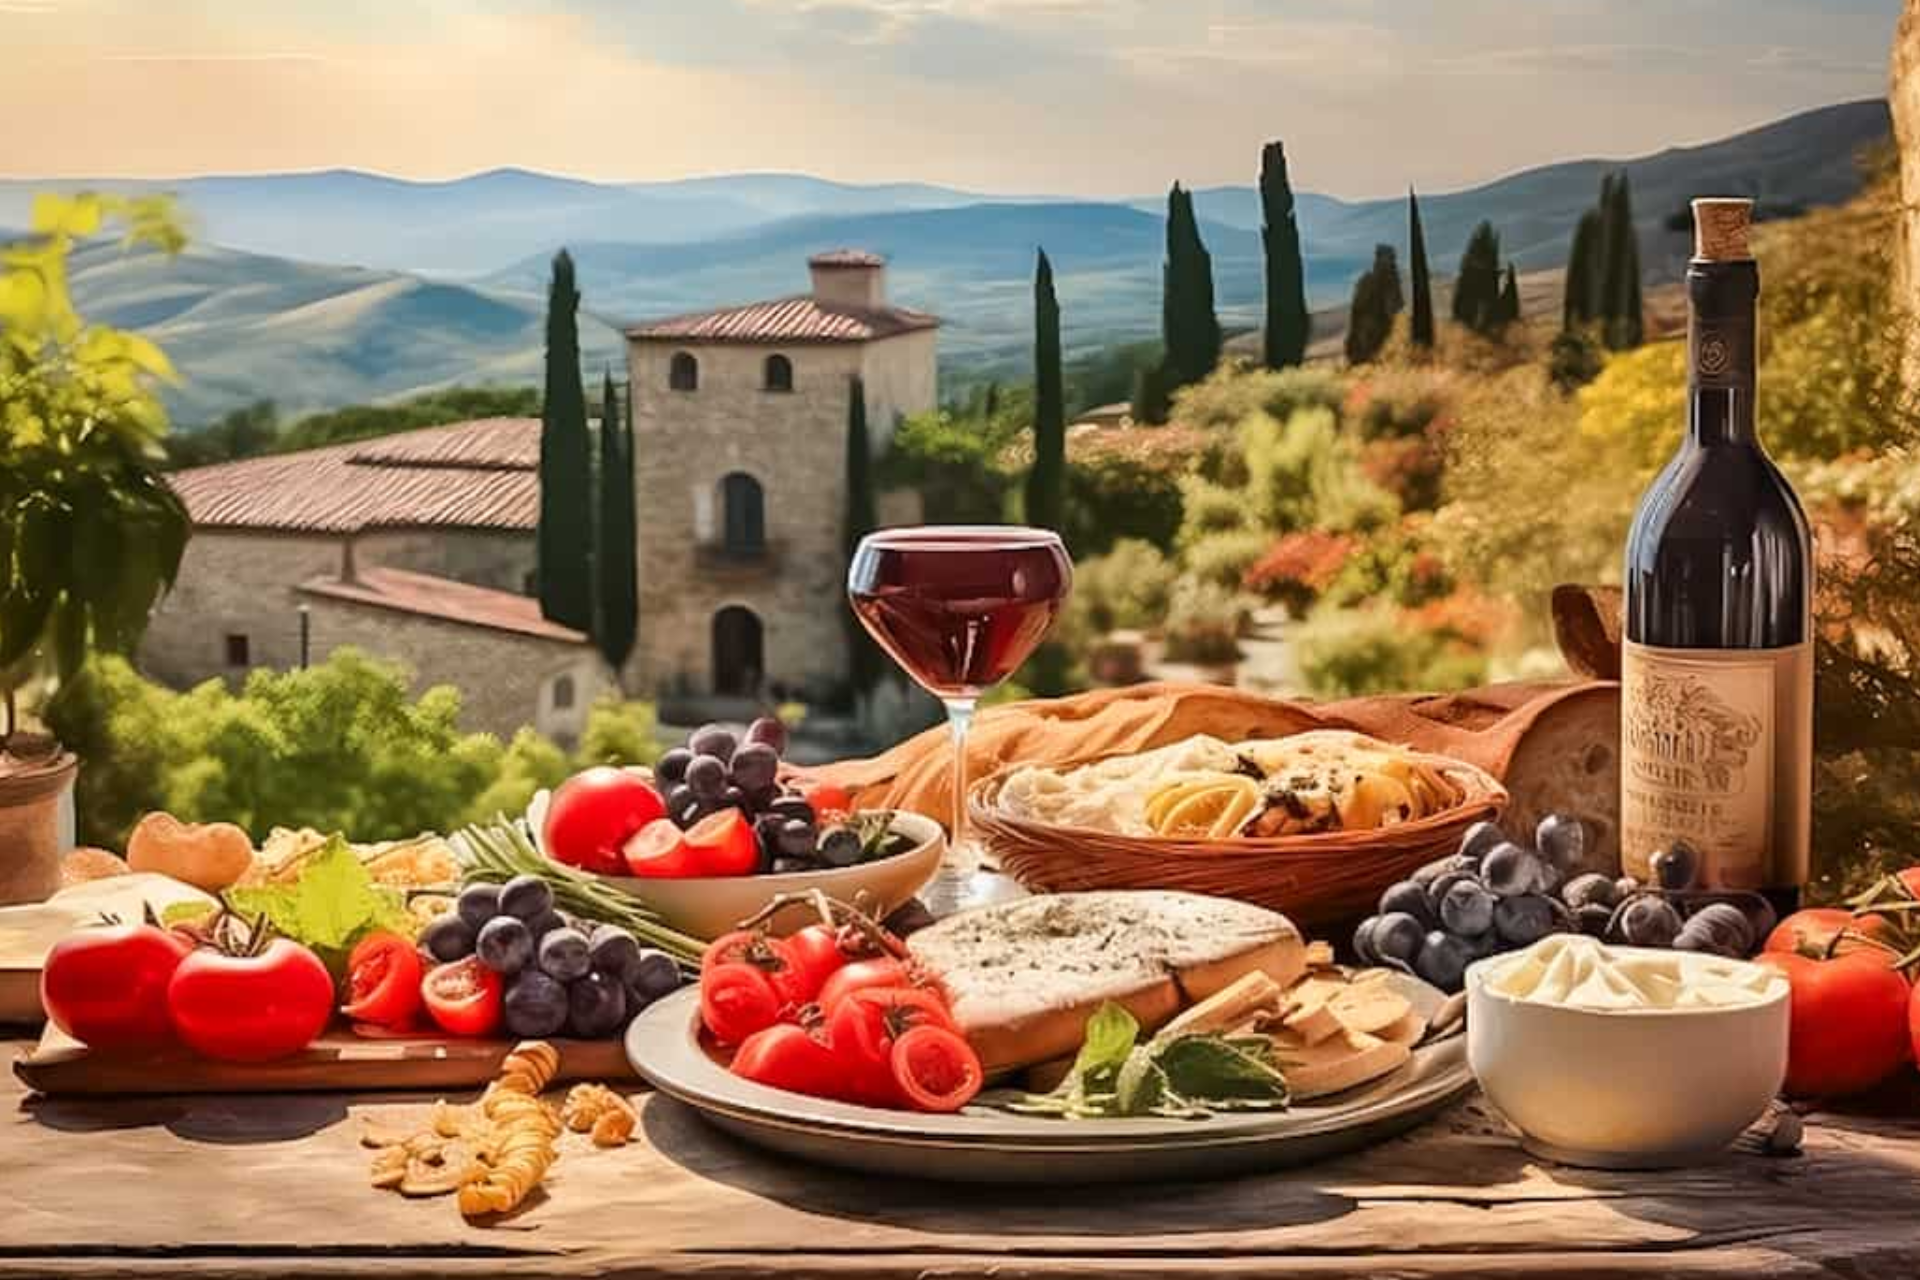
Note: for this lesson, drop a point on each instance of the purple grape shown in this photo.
(596, 1006)
(671, 768)
(791, 804)
(1561, 841)
(614, 951)
(1483, 945)
(769, 731)
(1591, 889)
(1509, 870)
(735, 798)
(563, 954)
(840, 847)
(1722, 927)
(796, 838)
(504, 944)
(1407, 896)
(1649, 920)
(654, 975)
(1432, 871)
(477, 904)
(707, 777)
(1443, 885)
(528, 897)
(754, 766)
(1593, 919)
(535, 1004)
(1443, 960)
(1398, 937)
(447, 938)
(1467, 909)
(1480, 838)
(713, 740)
(1524, 919)
(1675, 867)
(1363, 941)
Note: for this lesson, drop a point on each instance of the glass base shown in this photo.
(967, 879)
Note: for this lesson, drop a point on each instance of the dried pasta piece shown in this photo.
(529, 1069)
(598, 1111)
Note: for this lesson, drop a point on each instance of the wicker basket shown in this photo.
(1318, 880)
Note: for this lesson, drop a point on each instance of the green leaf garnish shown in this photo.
(332, 904)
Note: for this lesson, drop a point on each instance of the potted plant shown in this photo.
(90, 534)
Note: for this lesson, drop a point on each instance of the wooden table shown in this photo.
(273, 1186)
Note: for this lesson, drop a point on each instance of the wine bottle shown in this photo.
(1717, 666)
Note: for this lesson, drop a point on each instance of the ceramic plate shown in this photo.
(982, 1144)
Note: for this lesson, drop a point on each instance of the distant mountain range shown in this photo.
(328, 288)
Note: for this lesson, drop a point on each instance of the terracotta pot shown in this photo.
(31, 787)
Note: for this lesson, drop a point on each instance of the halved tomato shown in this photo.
(864, 1027)
(463, 997)
(723, 844)
(383, 980)
(935, 1069)
(826, 798)
(659, 851)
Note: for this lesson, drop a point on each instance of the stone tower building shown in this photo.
(740, 422)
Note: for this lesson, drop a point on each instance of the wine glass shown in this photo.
(959, 607)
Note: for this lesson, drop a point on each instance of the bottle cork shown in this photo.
(1720, 229)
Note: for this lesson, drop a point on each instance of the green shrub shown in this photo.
(529, 763)
(1204, 621)
(1224, 558)
(1305, 474)
(1128, 587)
(1399, 403)
(1208, 508)
(619, 732)
(1110, 498)
(955, 462)
(1574, 359)
(1347, 652)
(1233, 393)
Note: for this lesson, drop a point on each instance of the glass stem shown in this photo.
(959, 720)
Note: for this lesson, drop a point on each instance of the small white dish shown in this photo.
(1640, 1088)
(708, 906)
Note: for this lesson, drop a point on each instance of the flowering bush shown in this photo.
(1299, 566)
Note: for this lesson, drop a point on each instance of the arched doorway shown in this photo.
(744, 515)
(739, 659)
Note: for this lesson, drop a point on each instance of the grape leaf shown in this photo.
(330, 906)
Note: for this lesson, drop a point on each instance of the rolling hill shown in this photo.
(450, 279)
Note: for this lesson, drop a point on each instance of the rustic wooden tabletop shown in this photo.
(274, 1186)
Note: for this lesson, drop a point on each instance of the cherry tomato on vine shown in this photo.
(383, 981)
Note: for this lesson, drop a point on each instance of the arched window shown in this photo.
(743, 507)
(563, 693)
(738, 652)
(779, 373)
(683, 373)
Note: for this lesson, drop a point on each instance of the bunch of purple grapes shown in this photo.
(714, 770)
(1497, 895)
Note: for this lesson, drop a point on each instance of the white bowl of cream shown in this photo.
(1626, 1057)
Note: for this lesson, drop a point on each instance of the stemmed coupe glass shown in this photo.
(959, 607)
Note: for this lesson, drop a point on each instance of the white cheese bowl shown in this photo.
(1631, 1088)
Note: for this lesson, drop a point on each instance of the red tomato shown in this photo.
(826, 798)
(463, 997)
(815, 956)
(881, 971)
(1812, 931)
(383, 980)
(107, 987)
(723, 844)
(737, 1000)
(785, 1056)
(594, 813)
(251, 1008)
(1848, 1019)
(863, 1028)
(659, 851)
(936, 1069)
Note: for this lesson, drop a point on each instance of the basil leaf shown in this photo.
(1214, 1069)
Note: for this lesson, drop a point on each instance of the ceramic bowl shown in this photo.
(708, 906)
(1626, 1089)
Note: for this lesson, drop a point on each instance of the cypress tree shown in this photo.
(1287, 318)
(1190, 329)
(1476, 291)
(1046, 482)
(564, 537)
(1421, 276)
(1509, 309)
(616, 557)
(1582, 301)
(1622, 302)
(860, 518)
(1150, 402)
(1376, 301)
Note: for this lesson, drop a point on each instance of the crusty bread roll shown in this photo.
(1025, 976)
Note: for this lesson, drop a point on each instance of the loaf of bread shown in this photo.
(1025, 976)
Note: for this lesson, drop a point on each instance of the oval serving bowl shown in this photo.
(1320, 881)
(708, 906)
(982, 1144)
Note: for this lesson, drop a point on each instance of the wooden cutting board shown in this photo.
(338, 1061)
(28, 932)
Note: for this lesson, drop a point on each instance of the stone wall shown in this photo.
(505, 679)
(793, 445)
(1904, 96)
(501, 559)
(234, 583)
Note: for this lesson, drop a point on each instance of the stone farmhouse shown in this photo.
(419, 547)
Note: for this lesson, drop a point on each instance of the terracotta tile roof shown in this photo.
(470, 475)
(443, 598)
(797, 319)
(846, 258)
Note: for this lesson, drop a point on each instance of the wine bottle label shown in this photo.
(1716, 749)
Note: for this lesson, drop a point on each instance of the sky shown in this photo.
(1074, 97)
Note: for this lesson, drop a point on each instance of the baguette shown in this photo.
(1025, 976)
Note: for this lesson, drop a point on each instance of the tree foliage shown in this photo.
(1580, 303)
(1421, 276)
(1377, 299)
(616, 549)
(90, 535)
(1476, 290)
(1287, 326)
(565, 534)
(1621, 309)
(1047, 479)
(1189, 327)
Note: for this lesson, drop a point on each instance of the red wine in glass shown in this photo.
(959, 608)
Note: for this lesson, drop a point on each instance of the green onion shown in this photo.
(495, 852)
